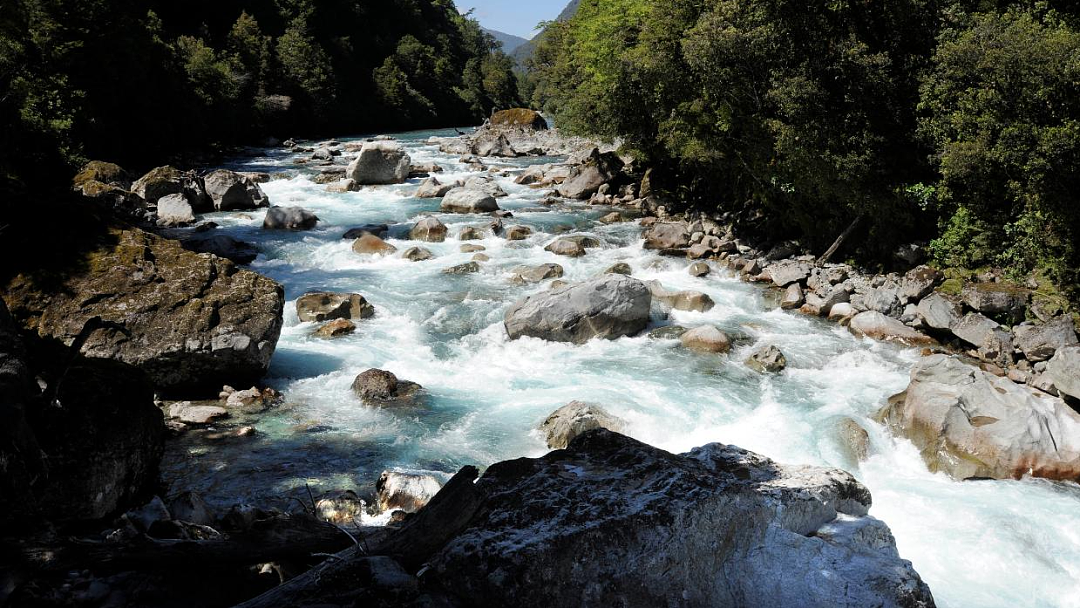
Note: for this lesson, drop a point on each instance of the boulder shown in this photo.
(1064, 371)
(792, 298)
(481, 257)
(190, 507)
(918, 283)
(230, 190)
(842, 312)
(462, 200)
(680, 300)
(223, 246)
(431, 188)
(610, 306)
(289, 218)
(343, 508)
(379, 230)
(576, 418)
(336, 329)
(191, 322)
(788, 271)
(417, 254)
(518, 233)
(620, 268)
(938, 312)
(970, 423)
(519, 117)
(1040, 342)
(884, 300)
(612, 218)
(466, 268)
(524, 275)
(567, 247)
(498, 145)
(585, 181)
(369, 244)
(469, 233)
(188, 413)
(706, 339)
(428, 230)
(470, 248)
(322, 306)
(767, 359)
(409, 492)
(485, 184)
(380, 162)
(343, 186)
(174, 210)
(698, 269)
(102, 172)
(875, 325)
(164, 181)
(853, 439)
(997, 299)
(667, 235)
(611, 521)
(380, 386)
(974, 328)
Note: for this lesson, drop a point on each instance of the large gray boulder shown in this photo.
(875, 325)
(380, 162)
(464, 200)
(610, 306)
(970, 423)
(230, 190)
(408, 492)
(637, 527)
(1064, 371)
(938, 312)
(575, 418)
(919, 283)
(223, 246)
(433, 188)
(174, 210)
(997, 299)
(191, 322)
(166, 180)
(789, 271)
(289, 218)
(667, 235)
(975, 329)
(428, 230)
(1040, 342)
(598, 169)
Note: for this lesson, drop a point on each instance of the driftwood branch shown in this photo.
(838, 242)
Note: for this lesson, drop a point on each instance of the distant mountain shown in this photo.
(509, 41)
(524, 51)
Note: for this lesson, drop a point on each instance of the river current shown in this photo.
(977, 544)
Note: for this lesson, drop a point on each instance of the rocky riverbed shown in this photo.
(438, 300)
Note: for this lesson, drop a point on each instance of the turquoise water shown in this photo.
(982, 544)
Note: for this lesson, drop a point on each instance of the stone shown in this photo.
(611, 521)
(380, 386)
(380, 162)
(461, 200)
(997, 348)
(767, 359)
(480, 257)
(289, 218)
(584, 181)
(698, 269)
(408, 492)
(230, 191)
(369, 244)
(793, 297)
(317, 307)
(1064, 371)
(610, 306)
(974, 328)
(472, 248)
(1040, 342)
(788, 271)
(166, 180)
(221, 245)
(429, 230)
(667, 235)
(524, 275)
(518, 233)
(885, 301)
(575, 418)
(997, 299)
(938, 312)
(668, 332)
(343, 186)
(566, 247)
(432, 188)
(706, 339)
(174, 210)
(531, 175)
(495, 146)
(336, 329)
(187, 413)
(417, 254)
(102, 172)
(343, 508)
(190, 507)
(466, 268)
(875, 325)
(620, 268)
(612, 218)
(190, 322)
(970, 423)
(519, 117)
(841, 312)
(854, 440)
(918, 283)
(379, 230)
(469, 233)
(688, 300)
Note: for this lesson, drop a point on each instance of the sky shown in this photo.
(517, 17)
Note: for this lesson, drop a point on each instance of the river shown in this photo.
(977, 544)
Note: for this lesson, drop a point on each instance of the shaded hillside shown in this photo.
(522, 53)
(509, 41)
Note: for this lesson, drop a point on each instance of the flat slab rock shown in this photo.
(610, 307)
(611, 521)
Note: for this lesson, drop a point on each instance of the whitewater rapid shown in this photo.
(977, 544)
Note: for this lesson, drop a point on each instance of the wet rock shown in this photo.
(429, 230)
(174, 210)
(997, 299)
(187, 413)
(938, 312)
(223, 246)
(788, 272)
(524, 275)
(190, 507)
(919, 283)
(432, 188)
(380, 386)
(369, 244)
(336, 329)
(463, 200)
(1064, 371)
(495, 146)
(466, 268)
(767, 359)
(480, 257)
(842, 312)
(253, 398)
(884, 300)
(289, 218)
(341, 507)
(668, 332)
(667, 235)
(1040, 342)
(576, 418)
(699, 269)
(706, 339)
(792, 298)
(610, 306)
(380, 162)
(190, 322)
(472, 248)
(854, 439)
(469, 233)
(230, 190)
(567, 247)
(612, 218)
(518, 233)
(417, 254)
(969, 423)
(598, 169)
(688, 300)
(327, 306)
(791, 536)
(343, 186)
(620, 268)
(974, 329)
(163, 181)
(379, 230)
(875, 325)
(404, 491)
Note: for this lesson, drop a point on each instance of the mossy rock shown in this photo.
(103, 172)
(951, 287)
(520, 117)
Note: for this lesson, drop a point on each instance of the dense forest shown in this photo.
(144, 83)
(953, 122)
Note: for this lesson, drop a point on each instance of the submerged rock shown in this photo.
(408, 492)
(969, 423)
(369, 244)
(706, 339)
(380, 386)
(289, 218)
(336, 328)
(524, 275)
(767, 359)
(326, 306)
(417, 254)
(610, 306)
(380, 162)
(576, 418)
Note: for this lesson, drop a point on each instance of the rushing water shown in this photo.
(977, 544)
